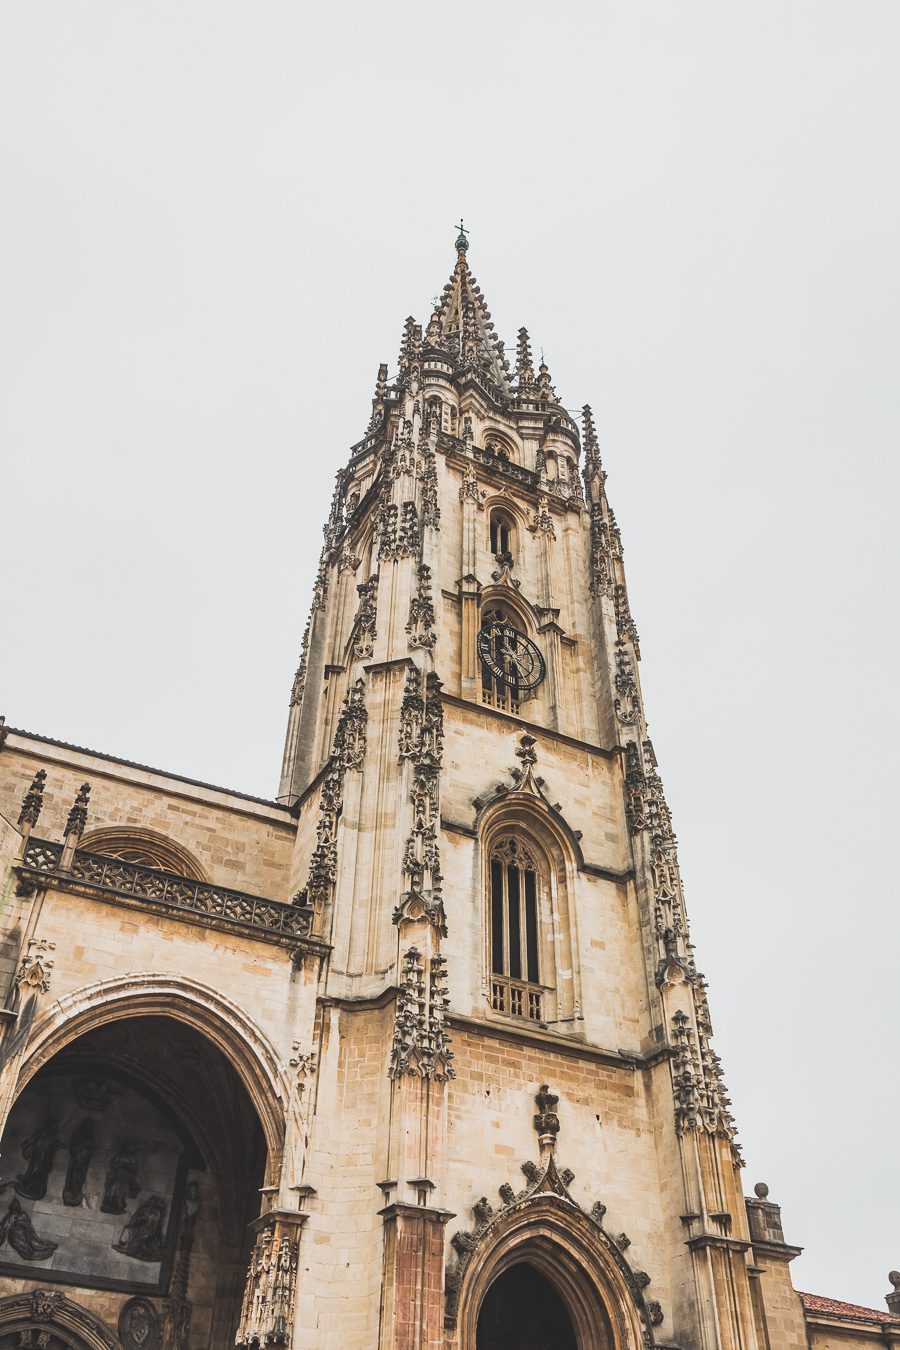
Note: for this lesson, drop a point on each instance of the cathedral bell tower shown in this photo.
(517, 1132)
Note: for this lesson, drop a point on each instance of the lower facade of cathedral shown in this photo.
(201, 1148)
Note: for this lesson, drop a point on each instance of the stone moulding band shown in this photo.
(270, 919)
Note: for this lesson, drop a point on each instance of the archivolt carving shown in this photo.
(222, 1022)
(45, 1313)
(542, 1225)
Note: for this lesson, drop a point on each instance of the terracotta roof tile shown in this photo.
(817, 1303)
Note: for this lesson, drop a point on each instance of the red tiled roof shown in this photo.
(816, 1303)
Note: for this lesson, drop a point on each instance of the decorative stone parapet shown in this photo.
(41, 865)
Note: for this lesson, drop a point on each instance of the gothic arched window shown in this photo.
(514, 909)
(502, 535)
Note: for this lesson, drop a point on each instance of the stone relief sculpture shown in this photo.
(143, 1236)
(81, 1150)
(139, 1325)
(17, 1229)
(38, 1150)
(121, 1183)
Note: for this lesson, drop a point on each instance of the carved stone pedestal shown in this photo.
(413, 1285)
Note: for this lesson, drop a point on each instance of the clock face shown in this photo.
(511, 657)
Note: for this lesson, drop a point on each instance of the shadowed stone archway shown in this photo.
(135, 1161)
(580, 1283)
(523, 1310)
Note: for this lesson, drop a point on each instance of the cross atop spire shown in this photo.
(462, 242)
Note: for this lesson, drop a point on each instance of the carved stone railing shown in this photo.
(505, 467)
(517, 998)
(269, 918)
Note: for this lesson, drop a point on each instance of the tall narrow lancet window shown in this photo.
(515, 955)
(501, 536)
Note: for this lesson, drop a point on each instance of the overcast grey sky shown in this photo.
(216, 217)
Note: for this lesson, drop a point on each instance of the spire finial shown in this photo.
(462, 242)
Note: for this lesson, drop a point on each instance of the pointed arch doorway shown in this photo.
(523, 1310)
(544, 1268)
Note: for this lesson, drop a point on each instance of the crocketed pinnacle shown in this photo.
(410, 343)
(379, 398)
(524, 363)
(591, 448)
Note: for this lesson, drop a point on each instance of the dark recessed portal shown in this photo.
(523, 1311)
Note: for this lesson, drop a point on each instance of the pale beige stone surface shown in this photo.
(392, 797)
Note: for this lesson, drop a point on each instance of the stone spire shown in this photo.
(462, 323)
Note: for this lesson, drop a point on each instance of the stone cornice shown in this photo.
(775, 1251)
(705, 1240)
(551, 1040)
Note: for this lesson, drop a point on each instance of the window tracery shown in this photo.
(502, 535)
(143, 848)
(514, 883)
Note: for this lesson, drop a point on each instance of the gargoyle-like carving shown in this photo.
(350, 736)
(364, 623)
(78, 812)
(33, 801)
(469, 489)
(409, 532)
(412, 712)
(543, 521)
(299, 685)
(33, 975)
(421, 1041)
(627, 702)
(422, 742)
(626, 628)
(421, 624)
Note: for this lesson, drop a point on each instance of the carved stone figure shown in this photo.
(17, 1229)
(38, 1150)
(81, 1149)
(546, 1122)
(143, 1236)
(121, 1183)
